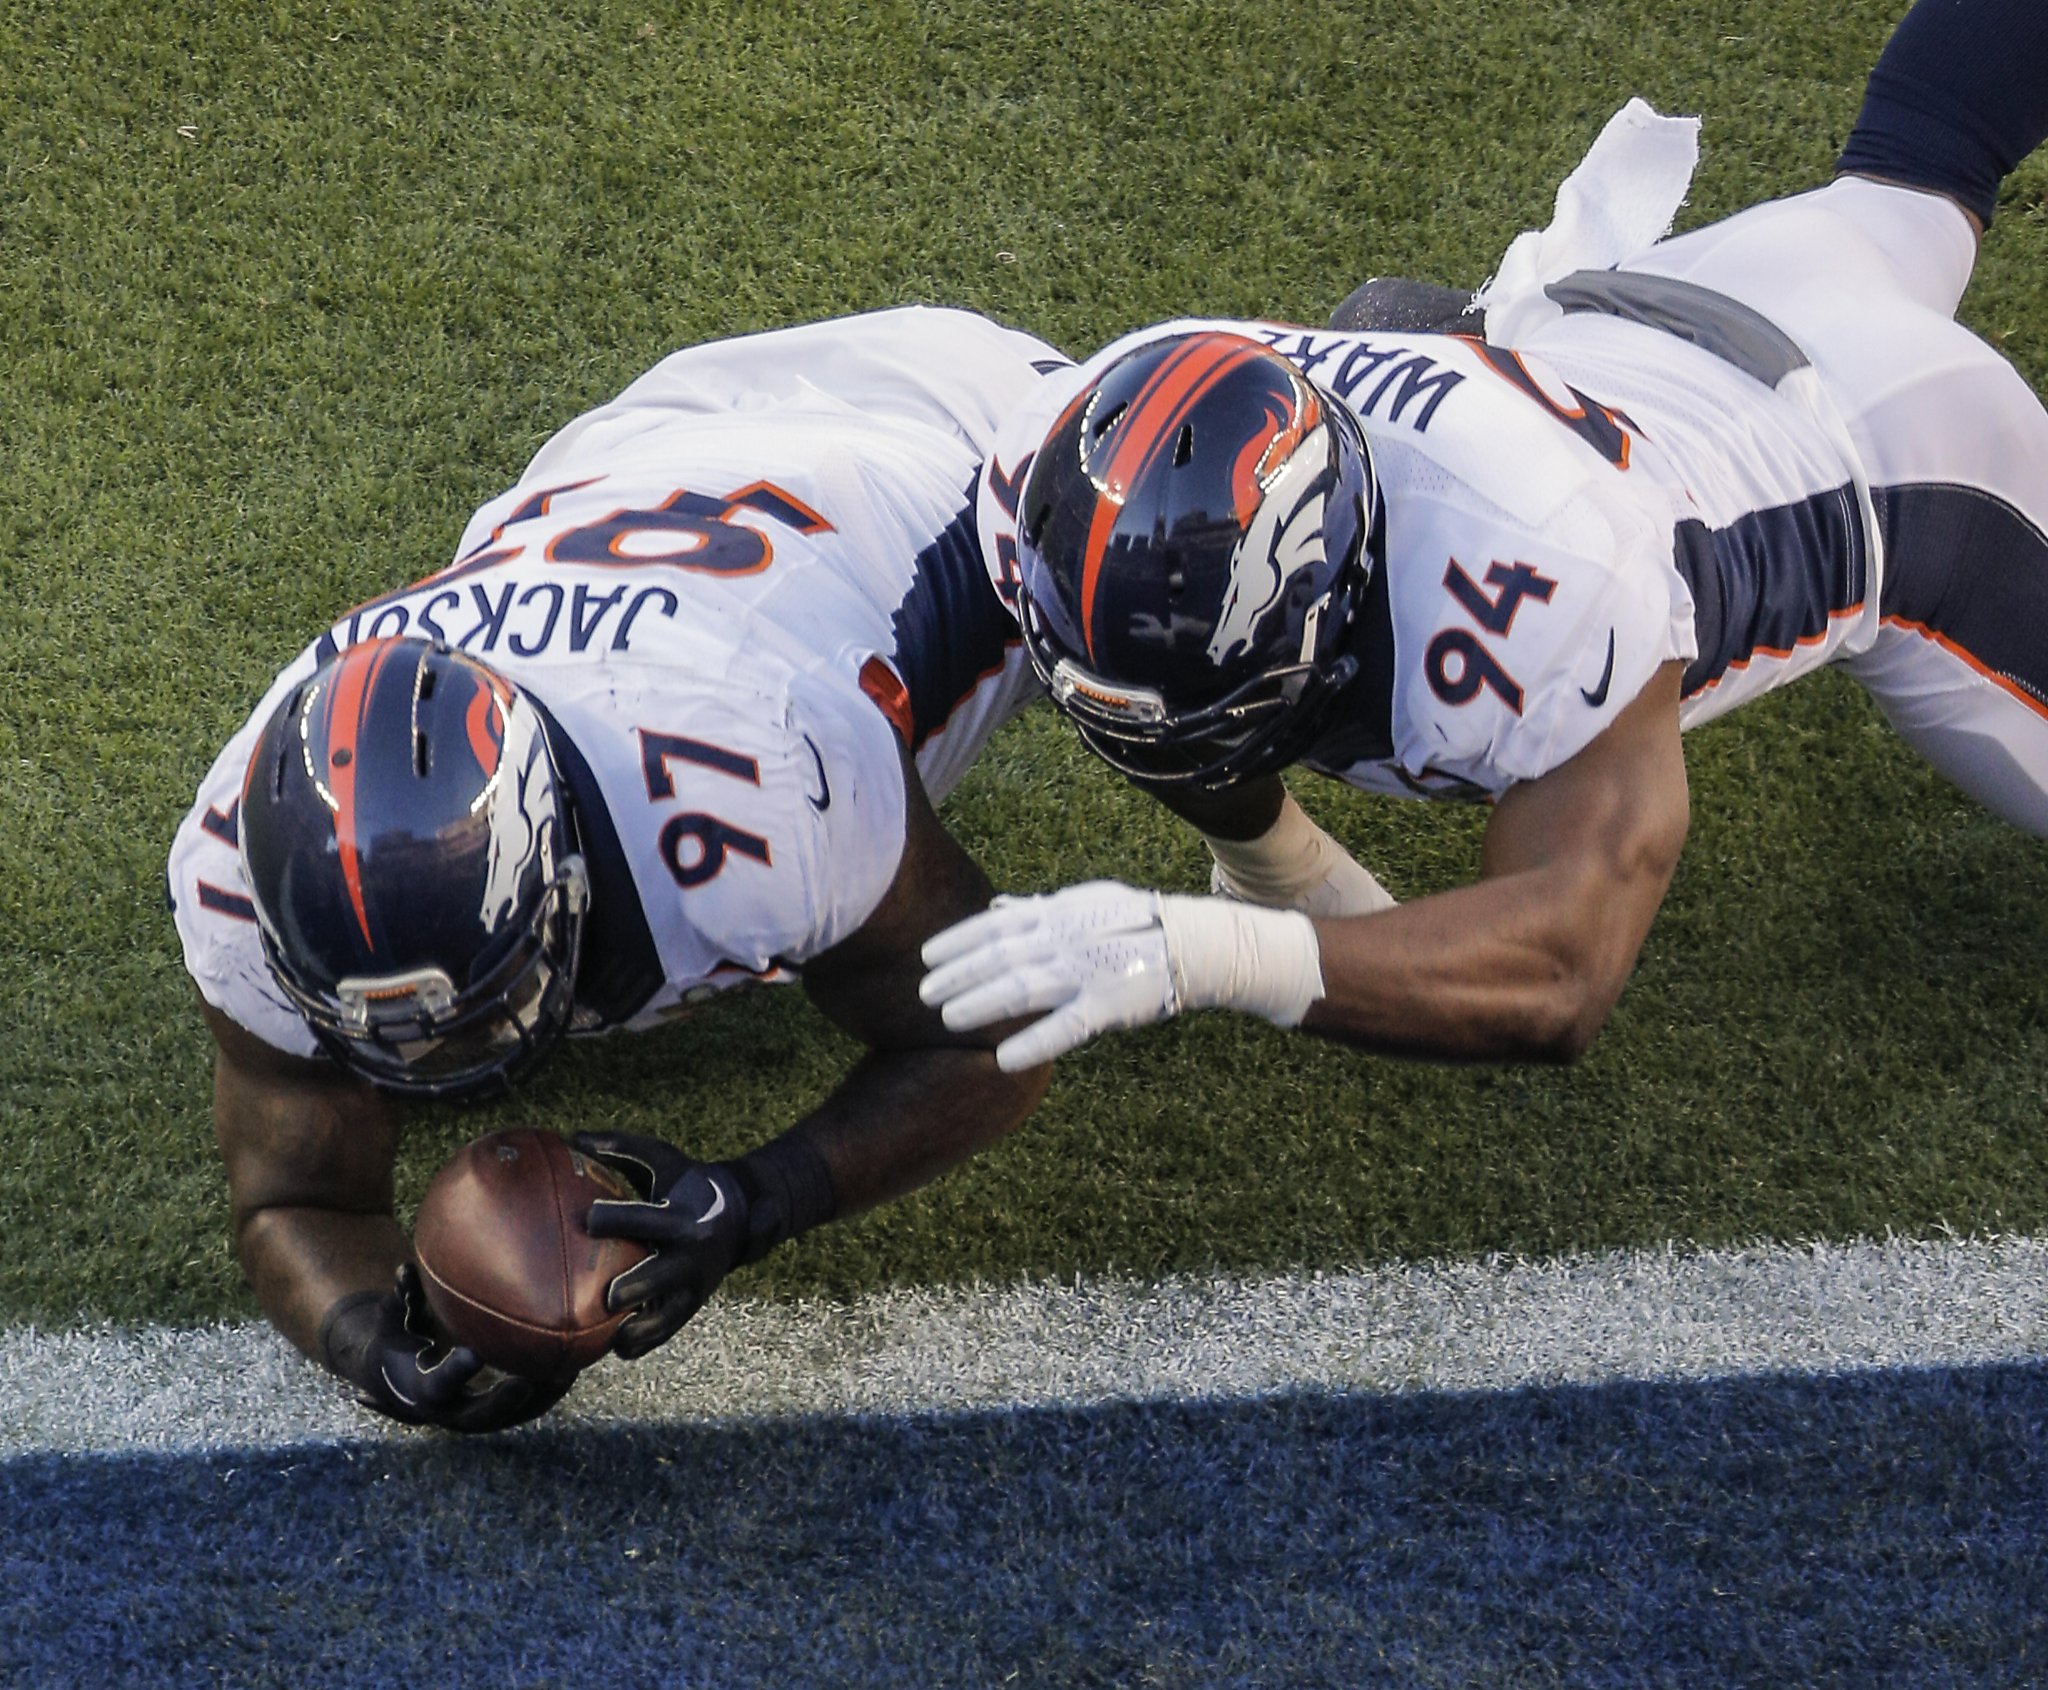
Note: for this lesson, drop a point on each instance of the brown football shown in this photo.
(505, 1263)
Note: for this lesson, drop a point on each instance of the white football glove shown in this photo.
(1295, 865)
(1104, 956)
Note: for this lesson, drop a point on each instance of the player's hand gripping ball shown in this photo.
(506, 1264)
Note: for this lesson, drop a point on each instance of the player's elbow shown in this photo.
(1574, 1029)
(1560, 1021)
(261, 1230)
(1586, 972)
(1597, 938)
(257, 1235)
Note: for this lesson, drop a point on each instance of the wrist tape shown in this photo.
(1225, 955)
(1282, 863)
(1294, 864)
(788, 1188)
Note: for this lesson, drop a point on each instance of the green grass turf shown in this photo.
(291, 288)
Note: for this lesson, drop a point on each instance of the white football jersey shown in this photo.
(735, 590)
(1548, 512)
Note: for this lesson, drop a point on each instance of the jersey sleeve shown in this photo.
(850, 774)
(1513, 658)
(1009, 463)
(210, 901)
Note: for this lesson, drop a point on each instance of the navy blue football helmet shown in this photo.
(414, 869)
(1195, 542)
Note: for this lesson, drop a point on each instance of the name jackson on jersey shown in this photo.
(738, 594)
(687, 530)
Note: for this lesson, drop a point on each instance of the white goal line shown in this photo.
(1484, 1325)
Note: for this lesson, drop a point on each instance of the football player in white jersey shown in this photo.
(674, 720)
(1513, 561)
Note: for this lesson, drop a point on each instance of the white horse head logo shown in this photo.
(516, 797)
(1285, 537)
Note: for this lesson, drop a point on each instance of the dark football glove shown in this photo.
(693, 1214)
(384, 1344)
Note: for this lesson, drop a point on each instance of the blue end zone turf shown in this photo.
(1876, 1529)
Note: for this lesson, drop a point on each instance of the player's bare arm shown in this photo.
(308, 1150)
(1527, 961)
(925, 1097)
(922, 1099)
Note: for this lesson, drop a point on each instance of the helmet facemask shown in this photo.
(1259, 728)
(417, 1034)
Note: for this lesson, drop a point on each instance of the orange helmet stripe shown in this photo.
(1290, 419)
(347, 704)
(484, 722)
(1147, 430)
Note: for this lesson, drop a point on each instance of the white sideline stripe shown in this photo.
(1484, 1325)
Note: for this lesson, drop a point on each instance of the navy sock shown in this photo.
(1958, 97)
